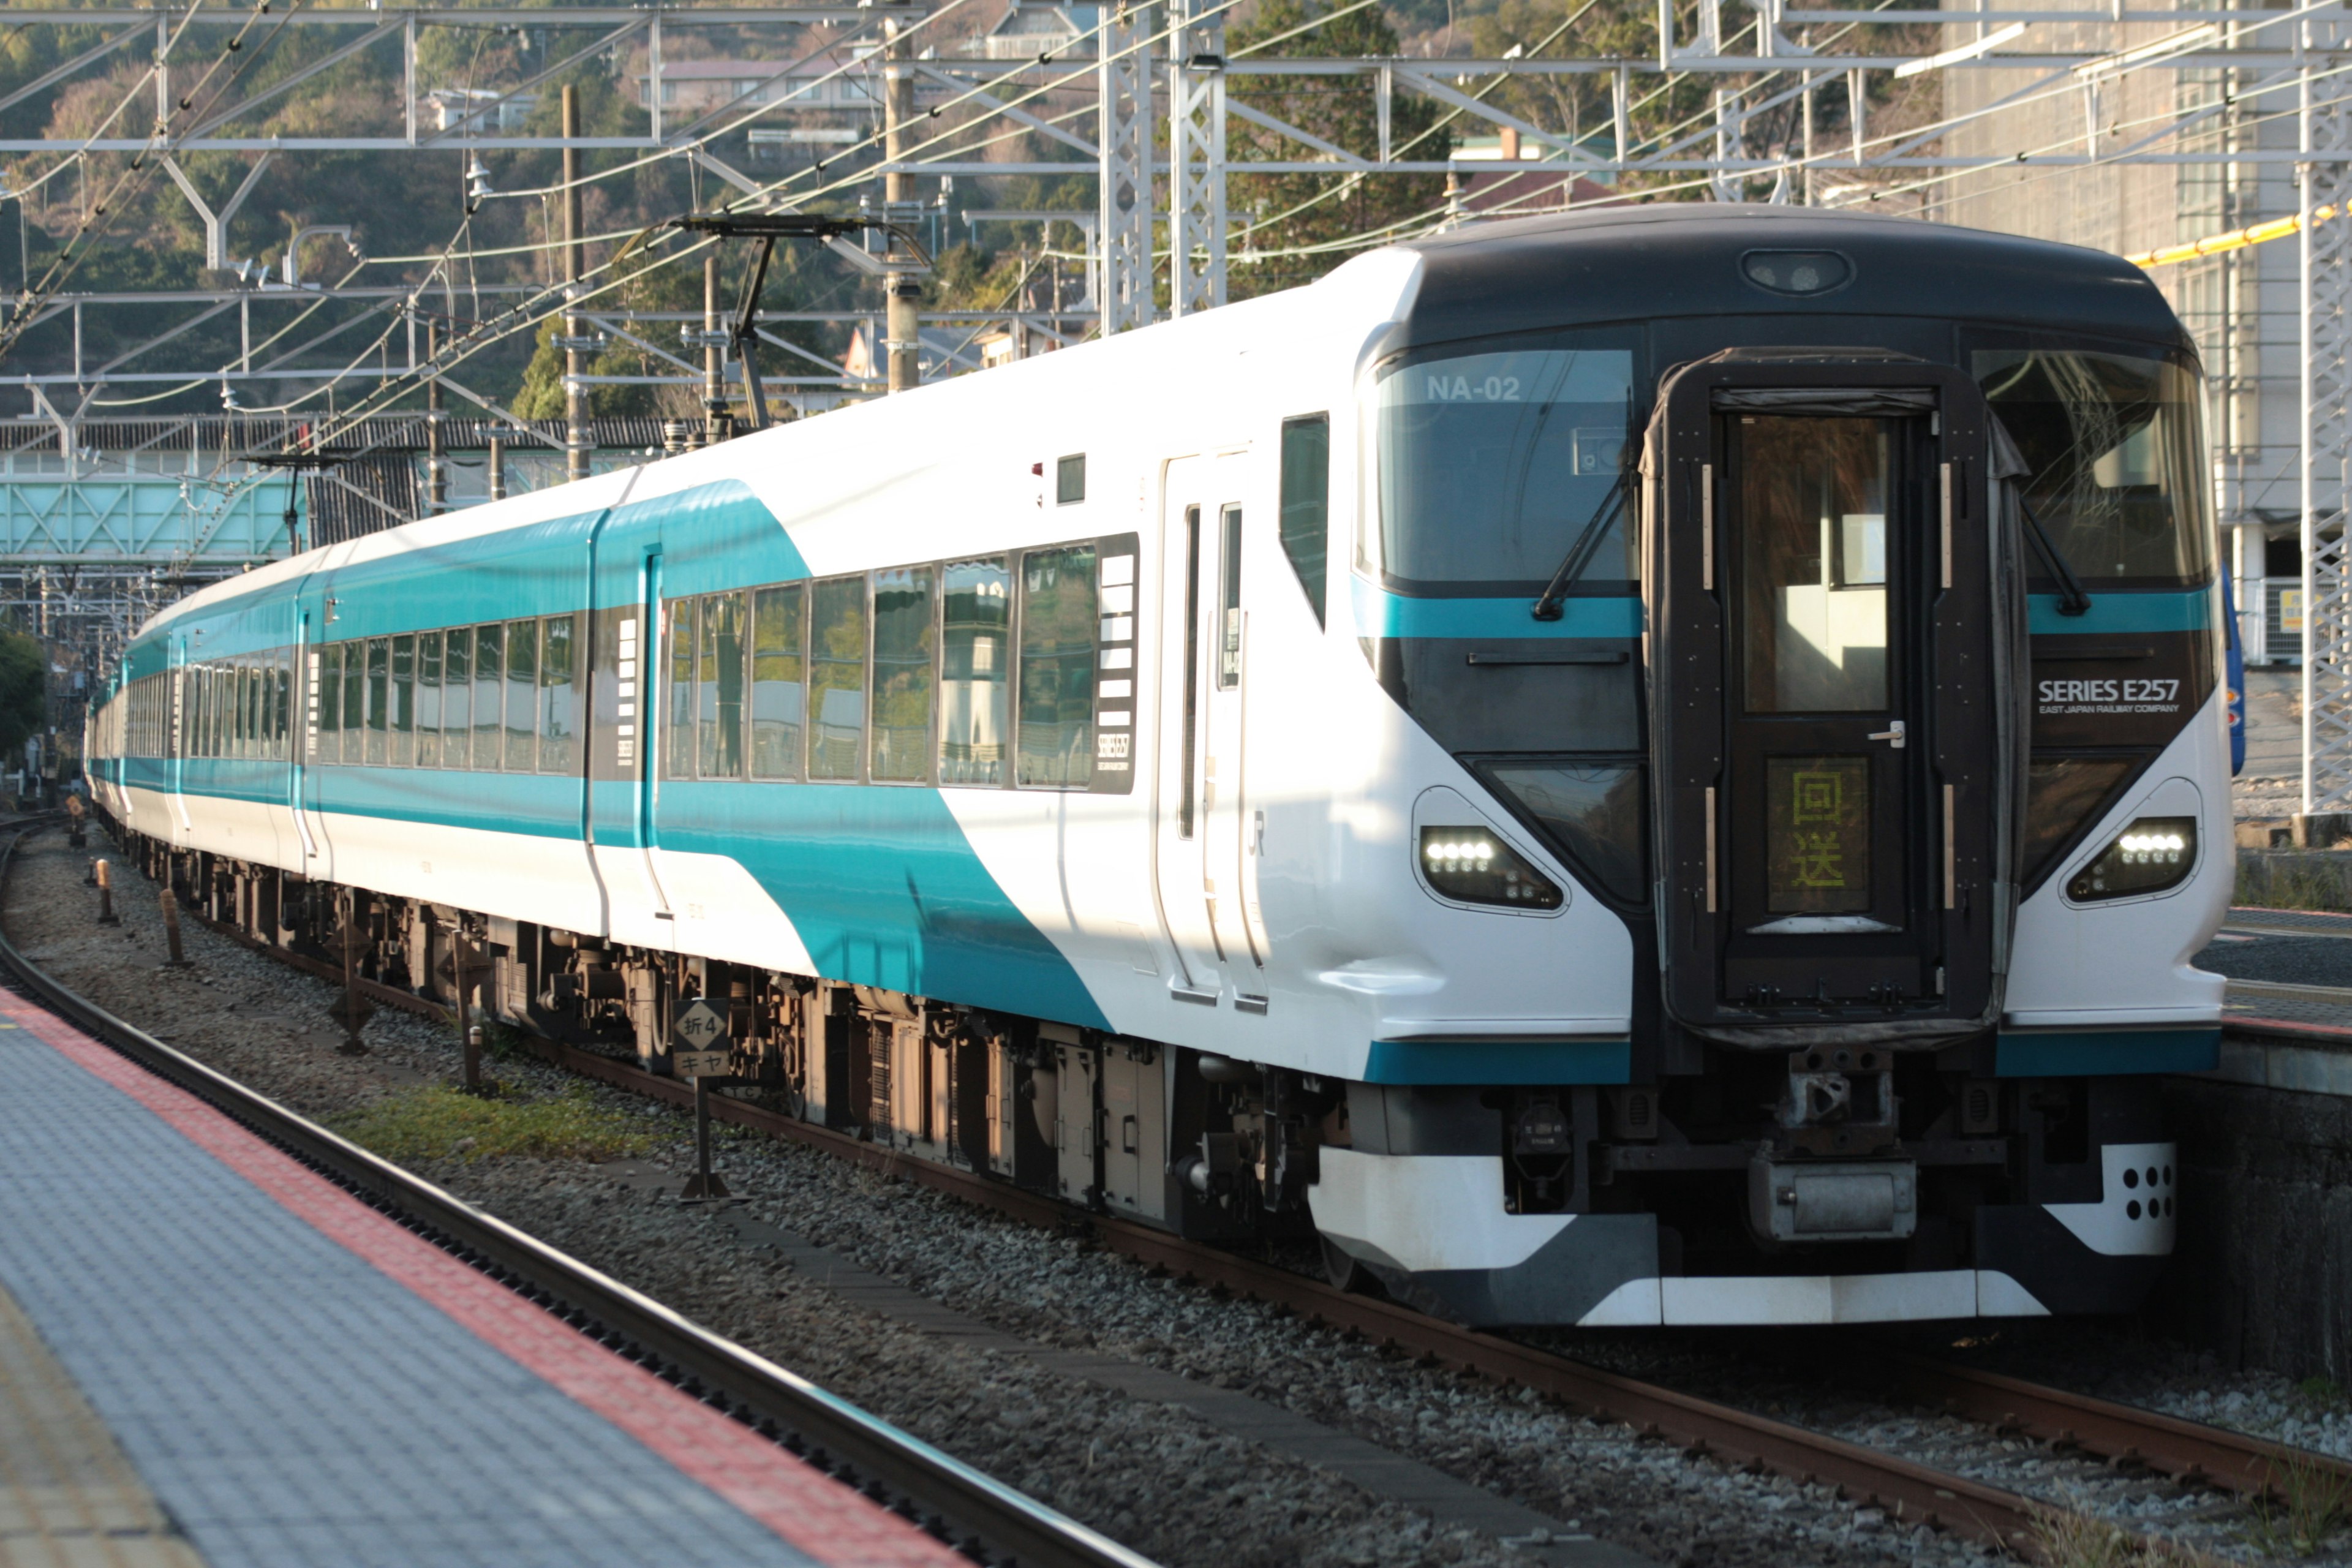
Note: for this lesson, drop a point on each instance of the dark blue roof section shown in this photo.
(1682, 258)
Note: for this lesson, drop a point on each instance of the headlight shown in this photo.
(1474, 865)
(2152, 854)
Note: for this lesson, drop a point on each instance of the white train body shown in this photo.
(1228, 915)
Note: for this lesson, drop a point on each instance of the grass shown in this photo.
(2066, 1538)
(2268, 885)
(2305, 1507)
(440, 1121)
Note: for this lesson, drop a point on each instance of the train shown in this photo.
(1657, 765)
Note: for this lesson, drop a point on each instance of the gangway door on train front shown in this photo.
(1832, 615)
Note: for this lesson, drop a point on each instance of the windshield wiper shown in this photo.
(2072, 600)
(1579, 555)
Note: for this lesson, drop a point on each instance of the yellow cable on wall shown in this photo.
(2236, 239)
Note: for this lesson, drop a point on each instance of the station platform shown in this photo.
(2287, 1019)
(213, 1357)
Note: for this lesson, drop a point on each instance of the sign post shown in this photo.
(702, 1054)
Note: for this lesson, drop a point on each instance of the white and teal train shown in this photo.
(1663, 765)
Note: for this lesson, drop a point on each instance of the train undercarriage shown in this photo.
(1797, 1166)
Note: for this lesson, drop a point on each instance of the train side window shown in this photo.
(522, 697)
(976, 621)
(837, 677)
(229, 696)
(678, 729)
(902, 676)
(331, 703)
(354, 730)
(1307, 502)
(558, 749)
(719, 686)
(457, 699)
(490, 681)
(1229, 601)
(402, 752)
(1070, 479)
(429, 700)
(379, 704)
(1055, 741)
(779, 681)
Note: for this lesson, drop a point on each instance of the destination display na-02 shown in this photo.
(1659, 765)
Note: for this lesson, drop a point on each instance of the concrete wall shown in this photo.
(2262, 1276)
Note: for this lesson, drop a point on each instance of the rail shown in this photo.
(1910, 1492)
(983, 1517)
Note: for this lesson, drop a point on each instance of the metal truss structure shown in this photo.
(2323, 176)
(1786, 91)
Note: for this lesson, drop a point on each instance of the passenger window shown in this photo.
(1229, 603)
(428, 701)
(379, 706)
(976, 620)
(522, 697)
(1307, 502)
(1058, 627)
(837, 677)
(719, 685)
(779, 690)
(355, 732)
(457, 699)
(402, 752)
(248, 695)
(902, 675)
(677, 731)
(331, 704)
(489, 678)
(559, 752)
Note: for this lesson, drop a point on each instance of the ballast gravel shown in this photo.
(1150, 1475)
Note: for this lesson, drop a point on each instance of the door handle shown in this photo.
(1891, 734)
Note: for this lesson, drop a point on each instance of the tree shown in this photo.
(1288, 229)
(24, 691)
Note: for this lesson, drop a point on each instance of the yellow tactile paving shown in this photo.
(68, 1496)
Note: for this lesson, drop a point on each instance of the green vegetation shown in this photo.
(23, 683)
(441, 1122)
(2065, 1538)
(2305, 1507)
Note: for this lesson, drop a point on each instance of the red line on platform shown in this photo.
(812, 1512)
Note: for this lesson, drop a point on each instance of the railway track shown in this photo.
(987, 1520)
(1910, 1492)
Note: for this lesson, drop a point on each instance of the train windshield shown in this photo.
(1493, 463)
(2112, 437)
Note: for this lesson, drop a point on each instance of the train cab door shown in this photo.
(1202, 813)
(1829, 620)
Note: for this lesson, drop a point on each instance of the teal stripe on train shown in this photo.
(884, 888)
(712, 536)
(1381, 613)
(2085, 1053)
(881, 883)
(2113, 610)
(1492, 1061)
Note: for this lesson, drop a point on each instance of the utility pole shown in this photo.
(902, 331)
(721, 423)
(575, 396)
(436, 465)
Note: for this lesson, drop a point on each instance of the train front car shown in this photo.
(1796, 640)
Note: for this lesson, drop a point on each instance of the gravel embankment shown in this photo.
(1149, 1474)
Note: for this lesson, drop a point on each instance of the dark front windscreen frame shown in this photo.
(1551, 461)
(1981, 352)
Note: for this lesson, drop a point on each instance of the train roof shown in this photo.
(1683, 259)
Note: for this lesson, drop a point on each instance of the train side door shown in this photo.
(1200, 839)
(1832, 760)
(624, 664)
